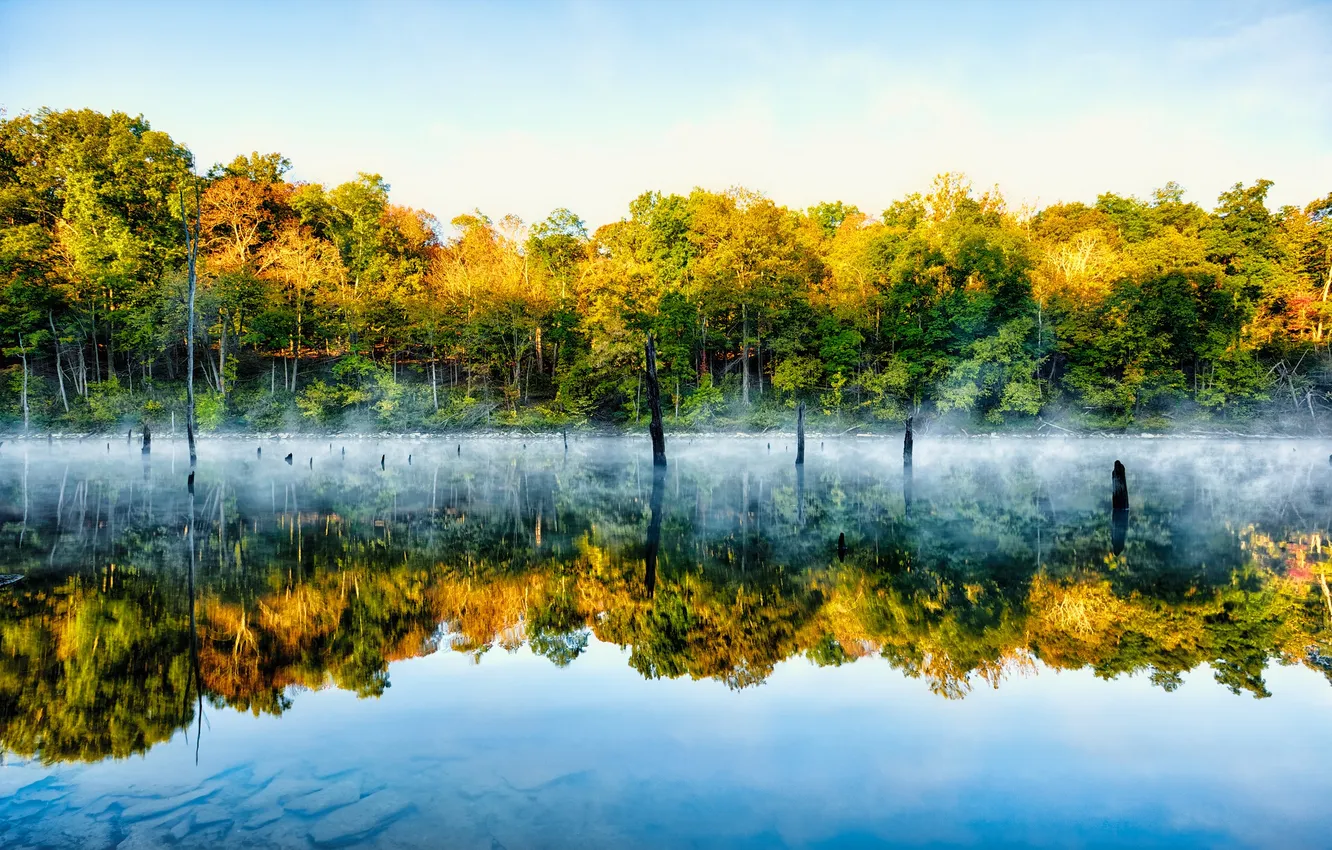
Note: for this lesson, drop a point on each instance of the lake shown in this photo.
(491, 643)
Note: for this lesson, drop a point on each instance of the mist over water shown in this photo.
(503, 642)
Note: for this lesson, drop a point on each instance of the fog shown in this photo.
(66, 488)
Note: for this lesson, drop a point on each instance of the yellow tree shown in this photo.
(300, 264)
(238, 215)
(484, 278)
(747, 244)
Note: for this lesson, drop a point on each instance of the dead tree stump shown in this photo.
(800, 434)
(654, 406)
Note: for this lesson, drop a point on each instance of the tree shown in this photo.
(192, 237)
(300, 263)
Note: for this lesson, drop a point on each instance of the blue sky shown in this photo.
(525, 107)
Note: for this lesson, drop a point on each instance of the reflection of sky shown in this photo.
(518, 751)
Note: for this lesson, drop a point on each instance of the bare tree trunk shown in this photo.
(434, 382)
(222, 357)
(191, 252)
(206, 362)
(295, 355)
(654, 402)
(110, 345)
(744, 355)
(24, 398)
(60, 374)
(97, 358)
(1327, 285)
(800, 434)
(758, 352)
(703, 367)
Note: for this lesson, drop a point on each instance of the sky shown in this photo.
(516, 107)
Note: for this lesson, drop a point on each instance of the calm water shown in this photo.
(512, 645)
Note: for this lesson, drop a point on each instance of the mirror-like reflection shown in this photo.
(327, 571)
(143, 607)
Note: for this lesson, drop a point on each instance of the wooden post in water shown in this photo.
(800, 434)
(1119, 509)
(908, 485)
(654, 406)
(147, 438)
(1119, 488)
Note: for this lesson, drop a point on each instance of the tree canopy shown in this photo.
(1118, 312)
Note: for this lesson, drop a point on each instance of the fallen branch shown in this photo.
(1052, 425)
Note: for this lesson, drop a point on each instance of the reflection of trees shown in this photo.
(89, 671)
(989, 573)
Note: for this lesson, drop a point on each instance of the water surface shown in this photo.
(498, 643)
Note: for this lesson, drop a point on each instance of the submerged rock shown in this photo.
(359, 820)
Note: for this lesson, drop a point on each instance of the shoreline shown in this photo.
(635, 434)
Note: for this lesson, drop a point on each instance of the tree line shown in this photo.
(333, 307)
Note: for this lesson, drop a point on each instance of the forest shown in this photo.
(324, 309)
